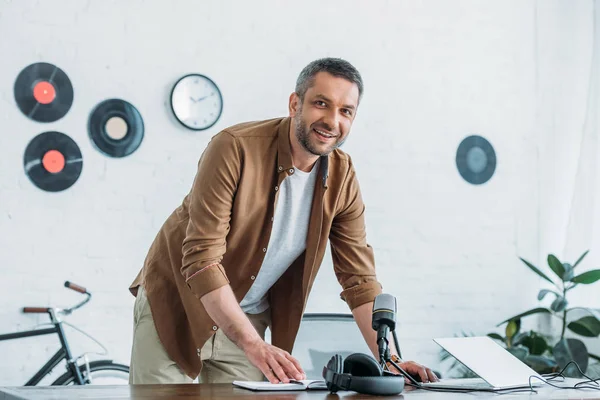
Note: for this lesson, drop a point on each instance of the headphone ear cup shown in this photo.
(333, 368)
(359, 364)
(339, 365)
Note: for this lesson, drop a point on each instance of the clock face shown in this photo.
(196, 102)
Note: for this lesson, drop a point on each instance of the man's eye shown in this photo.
(346, 111)
(320, 103)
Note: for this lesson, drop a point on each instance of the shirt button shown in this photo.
(264, 250)
(215, 328)
(280, 168)
(276, 188)
(253, 277)
(291, 170)
(271, 219)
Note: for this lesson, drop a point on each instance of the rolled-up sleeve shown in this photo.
(353, 258)
(210, 204)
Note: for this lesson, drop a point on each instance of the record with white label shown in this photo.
(116, 128)
(476, 160)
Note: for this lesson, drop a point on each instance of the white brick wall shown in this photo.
(435, 72)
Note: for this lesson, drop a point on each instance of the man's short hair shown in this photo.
(334, 66)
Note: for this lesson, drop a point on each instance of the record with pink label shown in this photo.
(43, 92)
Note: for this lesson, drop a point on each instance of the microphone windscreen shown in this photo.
(384, 301)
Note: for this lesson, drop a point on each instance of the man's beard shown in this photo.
(303, 136)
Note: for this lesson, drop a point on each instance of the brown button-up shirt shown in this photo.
(220, 233)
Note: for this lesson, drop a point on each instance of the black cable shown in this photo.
(396, 343)
(418, 385)
(560, 374)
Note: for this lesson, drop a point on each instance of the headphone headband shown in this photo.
(362, 374)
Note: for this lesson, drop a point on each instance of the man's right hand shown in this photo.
(276, 364)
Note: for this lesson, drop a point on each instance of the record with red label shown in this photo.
(116, 128)
(43, 92)
(53, 161)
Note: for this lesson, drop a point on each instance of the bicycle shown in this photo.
(79, 374)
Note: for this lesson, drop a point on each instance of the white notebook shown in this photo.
(293, 385)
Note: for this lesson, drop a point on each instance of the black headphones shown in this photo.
(360, 373)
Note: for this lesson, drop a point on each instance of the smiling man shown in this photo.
(242, 251)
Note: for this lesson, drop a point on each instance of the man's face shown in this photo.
(323, 120)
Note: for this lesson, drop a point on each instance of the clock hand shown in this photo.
(202, 98)
(191, 98)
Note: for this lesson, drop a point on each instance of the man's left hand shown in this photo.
(419, 372)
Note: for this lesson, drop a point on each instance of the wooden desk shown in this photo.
(227, 391)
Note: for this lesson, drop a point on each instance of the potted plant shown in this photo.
(546, 353)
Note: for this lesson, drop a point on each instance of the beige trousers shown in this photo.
(223, 361)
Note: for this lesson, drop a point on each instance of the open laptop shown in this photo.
(498, 369)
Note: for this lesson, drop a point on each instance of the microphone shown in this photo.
(384, 321)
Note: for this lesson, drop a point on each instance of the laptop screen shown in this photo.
(489, 360)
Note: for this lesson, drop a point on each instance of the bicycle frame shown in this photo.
(63, 353)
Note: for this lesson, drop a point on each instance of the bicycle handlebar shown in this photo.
(35, 310)
(66, 311)
(75, 287)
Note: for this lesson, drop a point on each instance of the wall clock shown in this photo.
(196, 102)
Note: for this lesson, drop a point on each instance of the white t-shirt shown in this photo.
(288, 236)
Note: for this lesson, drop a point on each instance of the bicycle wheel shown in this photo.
(102, 372)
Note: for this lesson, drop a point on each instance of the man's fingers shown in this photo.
(432, 377)
(296, 364)
(278, 371)
(290, 367)
(266, 370)
(423, 374)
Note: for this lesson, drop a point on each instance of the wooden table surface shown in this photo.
(228, 391)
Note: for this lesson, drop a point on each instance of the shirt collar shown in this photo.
(284, 151)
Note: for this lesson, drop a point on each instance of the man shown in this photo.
(242, 251)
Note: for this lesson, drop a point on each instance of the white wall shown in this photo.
(435, 72)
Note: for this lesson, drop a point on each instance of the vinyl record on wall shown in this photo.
(476, 160)
(53, 161)
(116, 128)
(43, 92)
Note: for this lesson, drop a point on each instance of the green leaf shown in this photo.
(567, 350)
(496, 336)
(544, 292)
(537, 271)
(526, 313)
(587, 277)
(580, 258)
(587, 326)
(541, 364)
(568, 274)
(556, 266)
(559, 304)
(520, 352)
(512, 329)
(590, 311)
(537, 345)
(518, 339)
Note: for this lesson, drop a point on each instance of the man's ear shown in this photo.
(294, 104)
